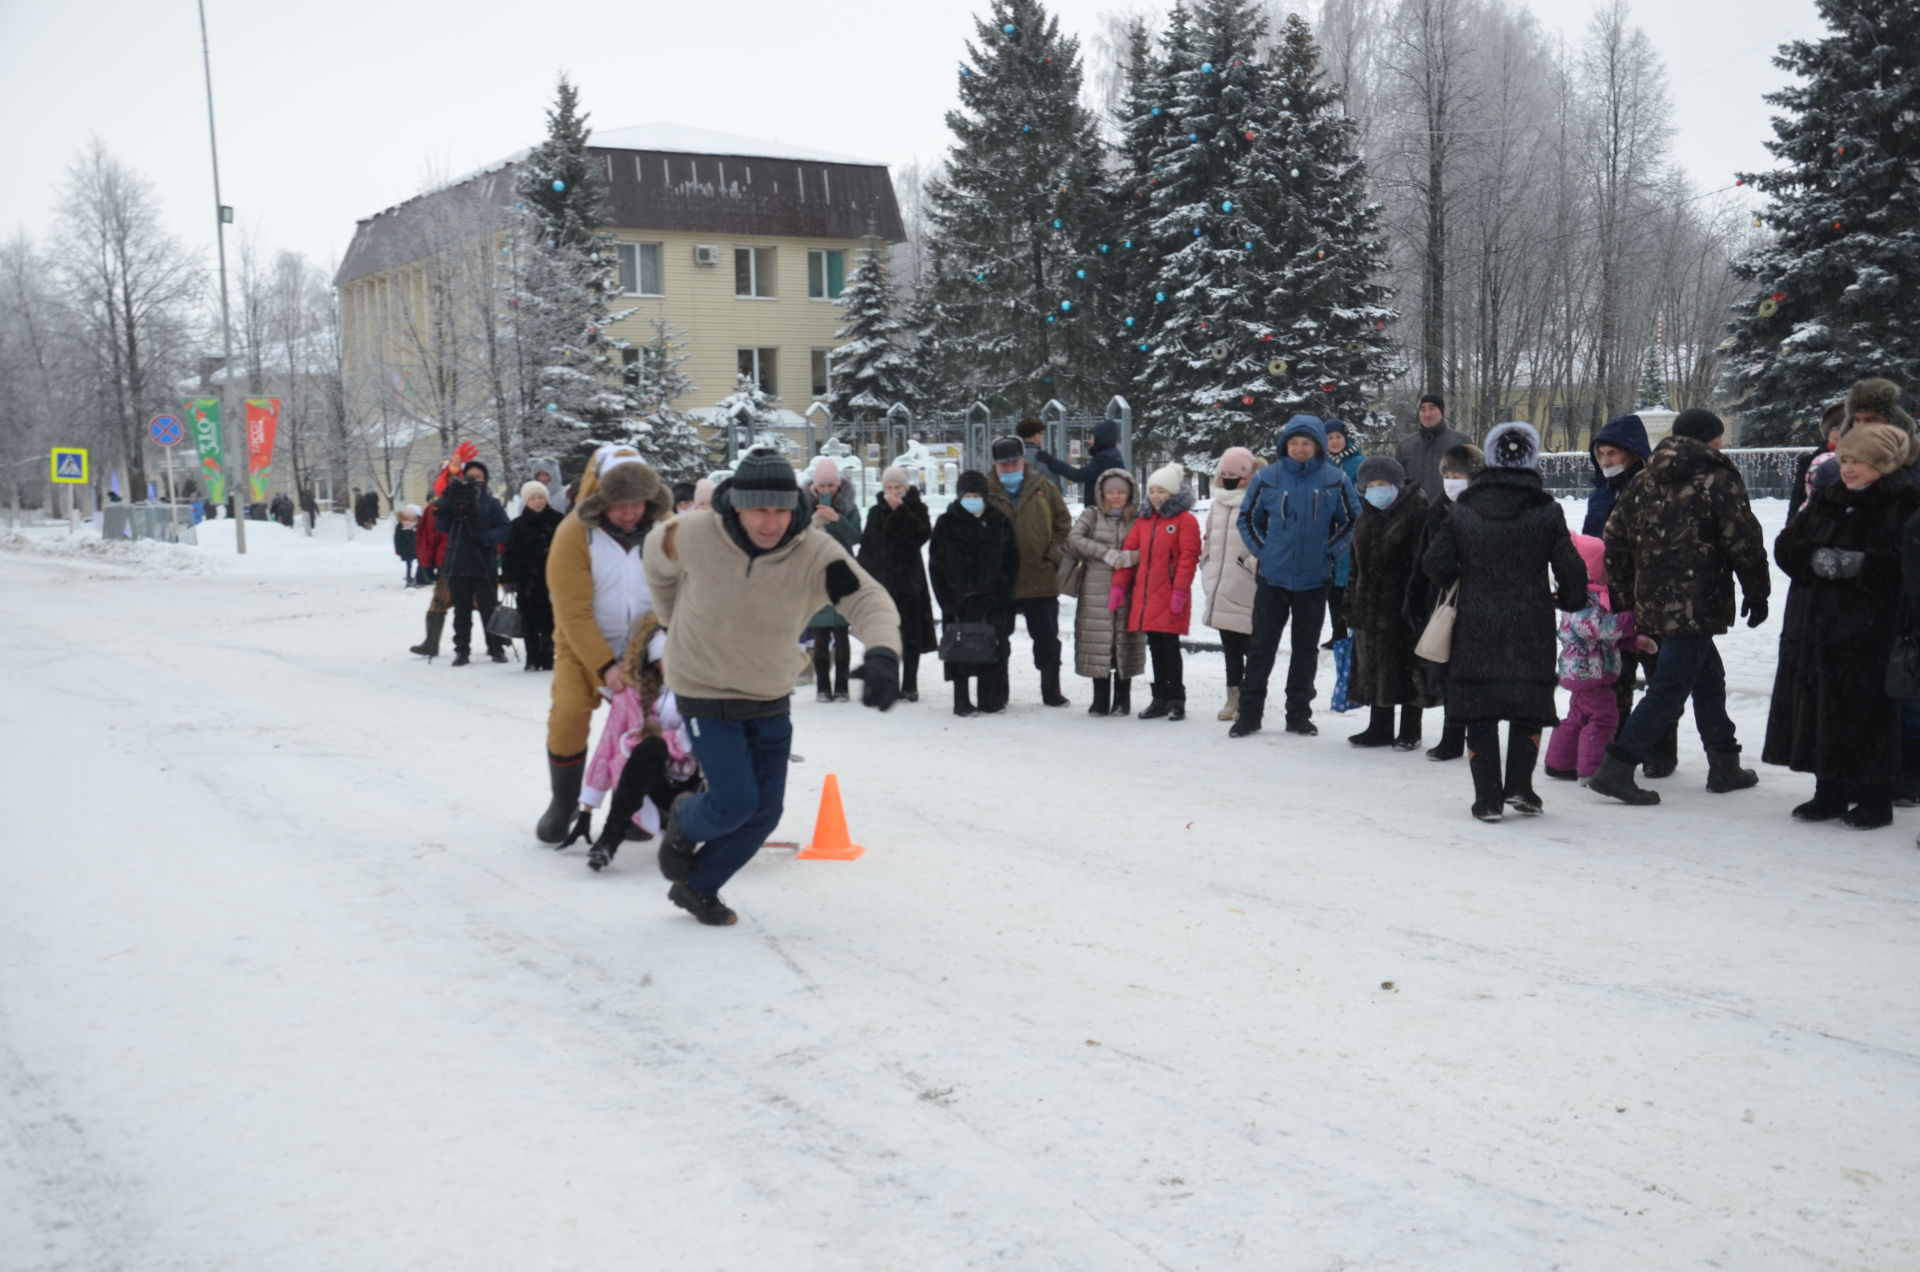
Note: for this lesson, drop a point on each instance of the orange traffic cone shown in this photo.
(830, 839)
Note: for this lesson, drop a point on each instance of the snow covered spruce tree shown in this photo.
(1830, 297)
(873, 360)
(750, 412)
(665, 435)
(564, 271)
(1009, 310)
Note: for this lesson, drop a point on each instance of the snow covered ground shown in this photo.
(285, 982)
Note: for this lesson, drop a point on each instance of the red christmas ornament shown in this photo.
(1843, 150)
(1266, 338)
(1739, 181)
(1219, 406)
(1838, 226)
(1203, 326)
(1249, 134)
(1778, 297)
(1380, 324)
(1246, 399)
(1326, 388)
(1049, 61)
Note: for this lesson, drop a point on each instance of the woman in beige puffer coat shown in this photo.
(1228, 569)
(1103, 649)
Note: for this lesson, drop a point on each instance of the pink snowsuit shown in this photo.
(625, 730)
(1590, 645)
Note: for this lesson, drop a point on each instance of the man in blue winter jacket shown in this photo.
(1297, 517)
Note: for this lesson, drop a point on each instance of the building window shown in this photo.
(826, 274)
(762, 365)
(753, 271)
(822, 374)
(640, 269)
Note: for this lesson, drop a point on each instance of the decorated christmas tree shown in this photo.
(1653, 385)
(1827, 297)
(1013, 280)
(873, 360)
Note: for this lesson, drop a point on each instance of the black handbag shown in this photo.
(504, 622)
(970, 644)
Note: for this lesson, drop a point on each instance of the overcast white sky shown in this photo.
(331, 112)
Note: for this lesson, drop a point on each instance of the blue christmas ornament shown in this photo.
(1193, 136)
(559, 187)
(1160, 298)
(1079, 273)
(1156, 110)
(1249, 245)
(1145, 348)
(1196, 231)
(1227, 206)
(979, 278)
(1104, 249)
(1056, 224)
(1066, 306)
(1026, 128)
(552, 407)
(1009, 29)
(1049, 317)
(1206, 68)
(1129, 322)
(1128, 244)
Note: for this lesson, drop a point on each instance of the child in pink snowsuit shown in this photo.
(1590, 645)
(644, 757)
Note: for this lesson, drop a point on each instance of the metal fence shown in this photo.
(1768, 470)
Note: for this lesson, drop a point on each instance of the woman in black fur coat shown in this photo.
(975, 561)
(1503, 535)
(523, 571)
(1831, 716)
(890, 543)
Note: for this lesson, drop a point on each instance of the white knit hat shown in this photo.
(1169, 479)
(533, 488)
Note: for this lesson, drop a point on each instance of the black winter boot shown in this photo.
(1829, 801)
(1873, 810)
(1409, 737)
(711, 911)
(1247, 723)
(1102, 696)
(1523, 749)
(962, 703)
(1725, 774)
(1615, 780)
(460, 659)
(1379, 730)
(1050, 687)
(676, 850)
(1123, 696)
(1485, 768)
(1906, 794)
(565, 774)
(1453, 743)
(1666, 753)
(1157, 707)
(1177, 705)
(430, 647)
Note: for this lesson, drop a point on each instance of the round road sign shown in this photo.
(165, 430)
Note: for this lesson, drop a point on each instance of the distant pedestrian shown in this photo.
(1420, 454)
(1104, 650)
(1229, 569)
(406, 534)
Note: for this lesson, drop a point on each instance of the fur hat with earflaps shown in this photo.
(1514, 445)
(1880, 397)
(626, 483)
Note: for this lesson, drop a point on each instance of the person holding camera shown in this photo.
(475, 525)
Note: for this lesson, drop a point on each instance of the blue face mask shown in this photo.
(1381, 497)
(1011, 481)
(973, 504)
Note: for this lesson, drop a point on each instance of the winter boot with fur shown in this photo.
(1615, 780)
(1123, 696)
(1485, 767)
(1725, 774)
(1409, 737)
(1829, 801)
(1231, 711)
(565, 774)
(430, 647)
(1379, 730)
(1102, 697)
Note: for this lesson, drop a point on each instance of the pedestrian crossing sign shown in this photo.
(70, 465)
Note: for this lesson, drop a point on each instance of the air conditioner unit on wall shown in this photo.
(706, 254)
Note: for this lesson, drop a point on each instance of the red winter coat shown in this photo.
(430, 543)
(1168, 542)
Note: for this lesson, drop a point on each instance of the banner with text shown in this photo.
(203, 420)
(263, 421)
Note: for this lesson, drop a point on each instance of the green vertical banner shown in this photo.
(203, 420)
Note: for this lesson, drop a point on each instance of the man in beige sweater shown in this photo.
(733, 585)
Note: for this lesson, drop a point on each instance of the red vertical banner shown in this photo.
(263, 421)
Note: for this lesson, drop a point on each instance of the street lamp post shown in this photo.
(235, 430)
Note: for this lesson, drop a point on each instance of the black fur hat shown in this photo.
(1514, 445)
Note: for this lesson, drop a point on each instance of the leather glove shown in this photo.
(1754, 610)
(881, 672)
(1116, 597)
(1837, 563)
(1178, 602)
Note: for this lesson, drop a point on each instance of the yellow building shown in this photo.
(741, 245)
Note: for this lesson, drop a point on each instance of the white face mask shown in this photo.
(1614, 470)
(1454, 485)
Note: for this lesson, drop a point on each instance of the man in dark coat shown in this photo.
(890, 546)
(1040, 525)
(975, 564)
(476, 526)
(1420, 454)
(1676, 540)
(1106, 455)
(1504, 534)
(1618, 452)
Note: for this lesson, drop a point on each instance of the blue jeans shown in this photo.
(1689, 667)
(745, 764)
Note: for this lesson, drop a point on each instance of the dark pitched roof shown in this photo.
(669, 188)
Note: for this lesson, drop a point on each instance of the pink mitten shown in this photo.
(1116, 597)
(1179, 603)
